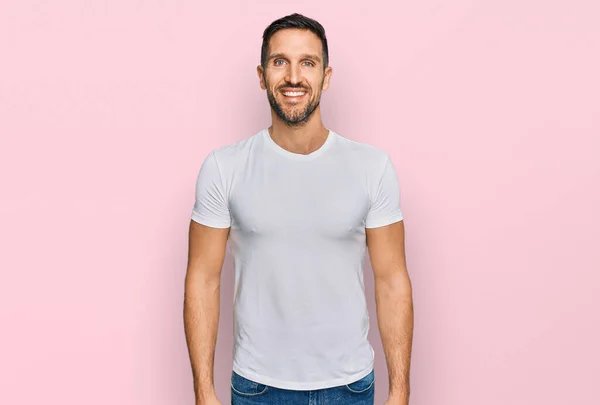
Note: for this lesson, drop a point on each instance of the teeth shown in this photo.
(294, 93)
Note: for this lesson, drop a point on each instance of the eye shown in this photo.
(276, 62)
(309, 63)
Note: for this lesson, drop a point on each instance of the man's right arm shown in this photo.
(206, 254)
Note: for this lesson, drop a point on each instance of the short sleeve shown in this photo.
(211, 207)
(385, 199)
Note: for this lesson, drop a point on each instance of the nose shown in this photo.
(293, 74)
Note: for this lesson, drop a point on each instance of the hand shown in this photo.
(396, 401)
(212, 400)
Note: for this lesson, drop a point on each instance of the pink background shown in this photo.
(489, 109)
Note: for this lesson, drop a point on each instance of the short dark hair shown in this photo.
(293, 21)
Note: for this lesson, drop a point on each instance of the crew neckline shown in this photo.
(298, 156)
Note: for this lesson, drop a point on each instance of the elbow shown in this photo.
(203, 281)
(396, 284)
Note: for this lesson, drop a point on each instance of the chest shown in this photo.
(329, 202)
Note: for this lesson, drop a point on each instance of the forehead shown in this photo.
(293, 41)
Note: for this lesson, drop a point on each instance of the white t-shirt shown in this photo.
(298, 241)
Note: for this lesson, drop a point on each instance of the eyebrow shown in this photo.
(303, 56)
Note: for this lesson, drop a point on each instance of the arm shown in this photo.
(207, 248)
(393, 296)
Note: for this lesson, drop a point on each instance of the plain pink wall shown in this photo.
(490, 111)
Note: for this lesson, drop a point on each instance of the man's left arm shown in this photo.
(393, 296)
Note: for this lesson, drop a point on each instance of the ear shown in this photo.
(327, 78)
(261, 77)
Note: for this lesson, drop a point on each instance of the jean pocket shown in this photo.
(363, 385)
(246, 387)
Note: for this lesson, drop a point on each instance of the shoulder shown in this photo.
(229, 156)
(371, 157)
(236, 149)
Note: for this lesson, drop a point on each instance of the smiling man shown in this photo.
(298, 205)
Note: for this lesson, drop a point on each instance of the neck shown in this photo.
(302, 139)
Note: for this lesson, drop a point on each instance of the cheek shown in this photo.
(274, 77)
(271, 84)
(316, 83)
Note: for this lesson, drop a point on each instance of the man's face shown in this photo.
(294, 75)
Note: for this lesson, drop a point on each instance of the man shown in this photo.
(299, 205)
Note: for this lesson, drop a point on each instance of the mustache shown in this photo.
(291, 86)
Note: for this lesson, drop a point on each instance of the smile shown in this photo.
(294, 93)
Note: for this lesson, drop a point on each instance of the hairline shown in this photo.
(320, 59)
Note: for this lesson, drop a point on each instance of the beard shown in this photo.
(295, 116)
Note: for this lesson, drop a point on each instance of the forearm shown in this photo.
(201, 320)
(396, 320)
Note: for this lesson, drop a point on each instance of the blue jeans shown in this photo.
(248, 392)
